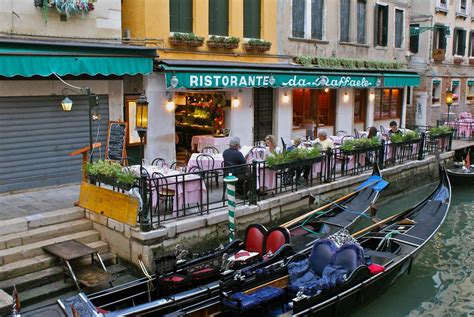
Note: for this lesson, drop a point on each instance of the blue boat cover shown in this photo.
(243, 302)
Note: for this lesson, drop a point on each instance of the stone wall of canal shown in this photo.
(207, 231)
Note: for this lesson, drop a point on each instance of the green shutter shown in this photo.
(185, 15)
(252, 18)
(174, 16)
(436, 82)
(470, 82)
(219, 17)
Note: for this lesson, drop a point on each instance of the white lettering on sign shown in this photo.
(239, 80)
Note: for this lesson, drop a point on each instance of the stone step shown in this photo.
(44, 261)
(100, 246)
(43, 233)
(31, 280)
(30, 250)
(49, 290)
(40, 220)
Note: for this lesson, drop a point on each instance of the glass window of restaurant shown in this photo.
(360, 106)
(387, 103)
(199, 113)
(313, 108)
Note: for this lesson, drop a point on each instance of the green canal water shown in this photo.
(441, 282)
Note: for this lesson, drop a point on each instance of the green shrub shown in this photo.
(111, 173)
(360, 144)
(436, 131)
(293, 156)
(259, 42)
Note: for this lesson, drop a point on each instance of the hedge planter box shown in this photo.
(360, 150)
(110, 181)
(260, 48)
(222, 45)
(296, 163)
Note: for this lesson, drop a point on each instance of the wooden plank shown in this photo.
(69, 250)
(281, 282)
(108, 203)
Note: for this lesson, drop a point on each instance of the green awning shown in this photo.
(455, 82)
(436, 82)
(401, 80)
(470, 82)
(43, 59)
(211, 75)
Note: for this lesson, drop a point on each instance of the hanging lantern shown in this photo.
(142, 113)
(66, 104)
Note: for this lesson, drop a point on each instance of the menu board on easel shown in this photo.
(116, 137)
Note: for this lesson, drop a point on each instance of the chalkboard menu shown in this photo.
(116, 136)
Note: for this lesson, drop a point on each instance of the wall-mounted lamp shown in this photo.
(346, 97)
(141, 115)
(286, 98)
(236, 102)
(66, 104)
(372, 96)
(170, 105)
(326, 90)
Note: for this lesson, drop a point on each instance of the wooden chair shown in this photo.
(160, 162)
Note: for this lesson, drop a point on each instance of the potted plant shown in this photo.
(258, 45)
(361, 145)
(295, 157)
(440, 131)
(231, 42)
(457, 59)
(216, 41)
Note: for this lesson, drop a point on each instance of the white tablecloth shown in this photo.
(199, 142)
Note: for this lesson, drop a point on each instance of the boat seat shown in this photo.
(349, 256)
(173, 282)
(254, 238)
(244, 302)
(275, 239)
(203, 274)
(321, 255)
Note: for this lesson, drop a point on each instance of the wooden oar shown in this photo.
(291, 222)
(378, 224)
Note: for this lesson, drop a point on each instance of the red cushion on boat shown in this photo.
(274, 241)
(101, 310)
(241, 254)
(203, 273)
(254, 240)
(175, 279)
(375, 268)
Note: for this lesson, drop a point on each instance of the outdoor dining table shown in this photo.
(189, 188)
(199, 142)
(464, 126)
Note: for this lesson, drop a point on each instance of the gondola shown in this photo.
(334, 278)
(189, 281)
(459, 176)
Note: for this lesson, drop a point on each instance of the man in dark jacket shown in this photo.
(235, 163)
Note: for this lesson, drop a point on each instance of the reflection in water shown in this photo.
(441, 282)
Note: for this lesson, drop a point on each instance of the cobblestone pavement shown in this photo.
(37, 201)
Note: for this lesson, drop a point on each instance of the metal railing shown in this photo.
(200, 191)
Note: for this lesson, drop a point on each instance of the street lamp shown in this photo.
(141, 120)
(66, 104)
(449, 101)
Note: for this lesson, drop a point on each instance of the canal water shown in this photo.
(441, 282)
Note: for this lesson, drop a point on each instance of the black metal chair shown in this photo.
(356, 134)
(341, 133)
(160, 162)
(210, 150)
(179, 166)
(257, 153)
(165, 194)
(206, 163)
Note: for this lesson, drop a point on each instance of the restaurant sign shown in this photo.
(250, 80)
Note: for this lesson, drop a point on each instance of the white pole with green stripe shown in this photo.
(230, 182)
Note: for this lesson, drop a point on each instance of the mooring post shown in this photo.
(230, 181)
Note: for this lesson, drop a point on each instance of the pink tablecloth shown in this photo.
(465, 127)
(188, 188)
(201, 141)
(206, 163)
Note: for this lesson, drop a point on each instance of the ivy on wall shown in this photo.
(336, 62)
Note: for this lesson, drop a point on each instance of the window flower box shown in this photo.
(471, 60)
(457, 60)
(257, 45)
(186, 39)
(223, 42)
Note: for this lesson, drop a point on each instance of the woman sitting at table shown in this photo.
(272, 145)
(373, 132)
(323, 141)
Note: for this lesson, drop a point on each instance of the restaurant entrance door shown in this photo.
(263, 113)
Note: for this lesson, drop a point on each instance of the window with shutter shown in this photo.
(381, 25)
(459, 42)
(471, 46)
(361, 10)
(298, 12)
(439, 38)
(252, 18)
(399, 21)
(345, 19)
(414, 40)
(317, 10)
(181, 16)
(219, 17)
